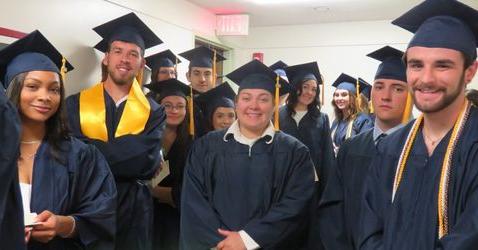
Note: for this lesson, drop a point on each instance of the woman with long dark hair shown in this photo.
(175, 147)
(67, 189)
(348, 119)
(218, 107)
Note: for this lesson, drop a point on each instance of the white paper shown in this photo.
(162, 174)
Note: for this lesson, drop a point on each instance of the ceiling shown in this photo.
(313, 11)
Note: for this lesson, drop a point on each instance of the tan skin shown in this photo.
(342, 101)
(254, 109)
(39, 100)
(389, 99)
(175, 107)
(123, 61)
(309, 92)
(223, 117)
(201, 78)
(165, 73)
(437, 79)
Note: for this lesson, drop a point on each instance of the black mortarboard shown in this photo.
(201, 57)
(220, 96)
(346, 82)
(442, 24)
(365, 88)
(170, 87)
(279, 68)
(392, 66)
(303, 72)
(162, 59)
(128, 28)
(32, 52)
(256, 75)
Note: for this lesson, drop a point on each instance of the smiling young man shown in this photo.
(247, 187)
(340, 208)
(127, 128)
(421, 189)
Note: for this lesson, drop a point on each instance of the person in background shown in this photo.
(163, 67)
(279, 68)
(348, 120)
(341, 204)
(249, 186)
(302, 119)
(116, 117)
(175, 147)
(66, 184)
(218, 106)
(420, 192)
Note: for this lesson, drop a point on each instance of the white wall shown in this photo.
(68, 25)
(337, 47)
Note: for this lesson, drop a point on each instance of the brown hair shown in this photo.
(353, 110)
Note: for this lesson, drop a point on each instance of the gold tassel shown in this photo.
(407, 113)
(191, 112)
(214, 69)
(358, 99)
(176, 68)
(276, 108)
(63, 69)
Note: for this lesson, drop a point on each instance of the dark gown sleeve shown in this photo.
(372, 207)
(286, 216)
(199, 222)
(328, 160)
(331, 208)
(11, 209)
(464, 233)
(95, 214)
(129, 156)
(362, 123)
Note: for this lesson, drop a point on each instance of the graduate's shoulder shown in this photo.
(287, 142)
(360, 139)
(393, 143)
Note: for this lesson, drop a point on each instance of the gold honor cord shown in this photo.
(93, 113)
(277, 102)
(445, 170)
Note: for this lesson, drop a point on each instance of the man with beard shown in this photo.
(421, 191)
(115, 116)
(339, 210)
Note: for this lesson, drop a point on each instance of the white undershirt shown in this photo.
(298, 116)
(26, 191)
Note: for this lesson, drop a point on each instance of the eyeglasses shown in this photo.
(169, 106)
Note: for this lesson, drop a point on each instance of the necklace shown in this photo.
(31, 142)
(28, 157)
(433, 142)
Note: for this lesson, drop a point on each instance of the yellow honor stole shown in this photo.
(93, 113)
(446, 166)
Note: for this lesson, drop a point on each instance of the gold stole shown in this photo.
(445, 169)
(93, 113)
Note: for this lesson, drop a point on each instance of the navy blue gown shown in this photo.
(411, 221)
(80, 184)
(339, 209)
(12, 235)
(314, 131)
(264, 190)
(132, 160)
(362, 123)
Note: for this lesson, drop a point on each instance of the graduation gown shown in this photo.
(12, 235)
(82, 186)
(411, 221)
(339, 209)
(166, 217)
(314, 131)
(264, 190)
(132, 159)
(361, 123)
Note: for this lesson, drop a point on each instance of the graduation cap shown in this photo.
(442, 24)
(32, 52)
(345, 82)
(303, 72)
(256, 75)
(279, 68)
(128, 28)
(366, 88)
(220, 96)
(170, 87)
(202, 57)
(392, 66)
(162, 59)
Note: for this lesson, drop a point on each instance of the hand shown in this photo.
(47, 230)
(159, 169)
(28, 233)
(233, 241)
